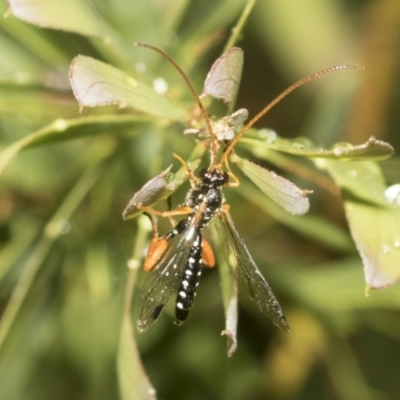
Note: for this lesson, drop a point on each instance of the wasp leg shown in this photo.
(189, 173)
(235, 179)
(157, 245)
(155, 251)
(183, 210)
(207, 254)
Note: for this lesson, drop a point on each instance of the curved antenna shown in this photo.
(213, 140)
(277, 100)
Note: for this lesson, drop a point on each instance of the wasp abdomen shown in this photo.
(190, 281)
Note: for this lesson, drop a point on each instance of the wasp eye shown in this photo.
(202, 173)
(225, 178)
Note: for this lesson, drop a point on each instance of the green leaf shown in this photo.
(308, 225)
(372, 150)
(97, 84)
(334, 288)
(161, 186)
(229, 288)
(72, 16)
(62, 129)
(19, 67)
(52, 231)
(374, 220)
(359, 180)
(134, 384)
(223, 79)
(155, 190)
(283, 192)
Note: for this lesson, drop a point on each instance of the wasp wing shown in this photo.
(247, 274)
(165, 277)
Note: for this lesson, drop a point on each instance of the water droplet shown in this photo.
(302, 143)
(140, 67)
(160, 85)
(396, 242)
(60, 124)
(133, 264)
(268, 135)
(341, 148)
(64, 227)
(386, 249)
(57, 228)
(392, 194)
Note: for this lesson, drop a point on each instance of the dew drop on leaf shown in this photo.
(160, 85)
(140, 67)
(392, 194)
(268, 135)
(341, 147)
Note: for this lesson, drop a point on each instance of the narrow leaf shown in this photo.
(283, 192)
(374, 220)
(311, 226)
(152, 192)
(229, 296)
(134, 384)
(62, 129)
(372, 150)
(161, 186)
(223, 80)
(97, 84)
(71, 15)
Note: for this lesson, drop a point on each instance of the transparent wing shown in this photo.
(247, 274)
(165, 278)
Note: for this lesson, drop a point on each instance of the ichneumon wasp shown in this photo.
(174, 261)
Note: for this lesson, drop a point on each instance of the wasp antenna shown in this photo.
(213, 140)
(278, 99)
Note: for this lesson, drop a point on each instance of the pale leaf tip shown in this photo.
(232, 337)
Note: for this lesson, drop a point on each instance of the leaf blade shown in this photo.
(374, 221)
(77, 16)
(283, 192)
(96, 83)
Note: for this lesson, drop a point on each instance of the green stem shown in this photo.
(237, 29)
(50, 233)
(132, 379)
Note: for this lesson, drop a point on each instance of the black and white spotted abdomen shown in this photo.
(190, 281)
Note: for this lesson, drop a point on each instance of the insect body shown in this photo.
(182, 262)
(174, 261)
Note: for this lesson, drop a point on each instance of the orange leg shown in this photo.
(235, 179)
(155, 251)
(189, 173)
(208, 254)
(156, 247)
(184, 210)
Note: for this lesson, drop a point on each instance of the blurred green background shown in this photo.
(64, 246)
